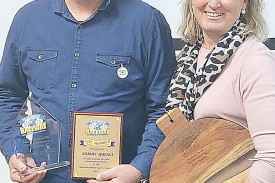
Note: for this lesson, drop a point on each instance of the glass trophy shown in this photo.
(37, 138)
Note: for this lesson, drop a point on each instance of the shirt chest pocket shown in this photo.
(39, 66)
(113, 72)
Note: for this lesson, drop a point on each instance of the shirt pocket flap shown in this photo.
(113, 60)
(42, 55)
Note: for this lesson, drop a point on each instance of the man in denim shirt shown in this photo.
(67, 53)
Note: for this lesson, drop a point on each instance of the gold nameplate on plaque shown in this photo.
(96, 143)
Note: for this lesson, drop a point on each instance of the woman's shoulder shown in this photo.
(252, 54)
(252, 44)
(253, 50)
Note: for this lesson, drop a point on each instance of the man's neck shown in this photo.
(83, 9)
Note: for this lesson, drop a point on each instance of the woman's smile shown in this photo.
(213, 14)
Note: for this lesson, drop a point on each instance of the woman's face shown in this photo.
(216, 17)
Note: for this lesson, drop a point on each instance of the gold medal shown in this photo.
(122, 72)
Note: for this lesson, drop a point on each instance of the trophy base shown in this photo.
(45, 168)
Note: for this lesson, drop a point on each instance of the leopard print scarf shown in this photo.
(187, 86)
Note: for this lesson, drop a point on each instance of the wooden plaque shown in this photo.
(96, 143)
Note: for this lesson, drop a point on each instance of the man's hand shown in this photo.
(118, 174)
(17, 168)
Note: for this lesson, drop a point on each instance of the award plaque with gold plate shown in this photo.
(96, 143)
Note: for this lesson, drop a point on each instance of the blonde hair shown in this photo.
(190, 30)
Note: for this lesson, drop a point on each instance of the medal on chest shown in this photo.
(122, 72)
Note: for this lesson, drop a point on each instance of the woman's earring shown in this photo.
(243, 11)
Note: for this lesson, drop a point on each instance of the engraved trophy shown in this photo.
(37, 138)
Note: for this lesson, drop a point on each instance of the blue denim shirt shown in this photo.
(72, 66)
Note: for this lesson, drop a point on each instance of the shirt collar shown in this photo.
(59, 6)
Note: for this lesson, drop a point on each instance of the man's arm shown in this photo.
(13, 89)
(160, 66)
(13, 93)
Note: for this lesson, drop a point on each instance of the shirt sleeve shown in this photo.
(159, 67)
(258, 94)
(13, 89)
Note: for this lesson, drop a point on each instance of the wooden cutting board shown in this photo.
(206, 150)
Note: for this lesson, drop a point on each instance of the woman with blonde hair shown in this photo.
(225, 71)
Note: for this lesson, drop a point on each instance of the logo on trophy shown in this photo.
(37, 138)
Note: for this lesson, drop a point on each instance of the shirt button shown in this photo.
(76, 54)
(71, 113)
(113, 61)
(40, 56)
(74, 85)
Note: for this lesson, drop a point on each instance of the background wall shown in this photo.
(170, 8)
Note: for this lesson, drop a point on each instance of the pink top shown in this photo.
(245, 93)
